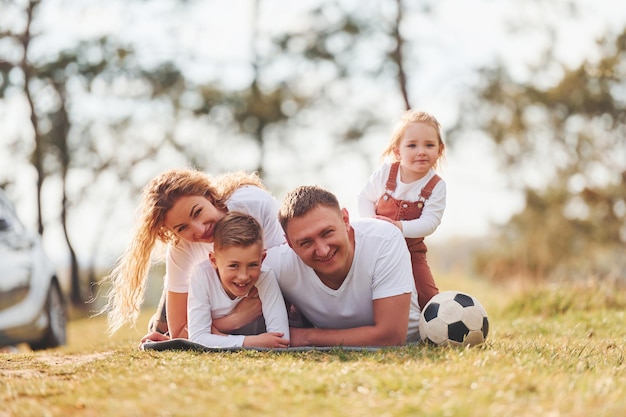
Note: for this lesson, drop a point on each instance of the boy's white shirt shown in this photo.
(208, 300)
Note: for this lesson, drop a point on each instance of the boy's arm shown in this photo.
(200, 315)
(273, 304)
(391, 320)
(431, 216)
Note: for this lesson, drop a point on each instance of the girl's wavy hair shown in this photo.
(128, 278)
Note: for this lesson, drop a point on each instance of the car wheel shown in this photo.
(55, 334)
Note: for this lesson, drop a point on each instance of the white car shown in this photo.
(32, 304)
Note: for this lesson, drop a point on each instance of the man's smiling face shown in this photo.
(324, 240)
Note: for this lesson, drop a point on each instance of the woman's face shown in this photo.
(193, 218)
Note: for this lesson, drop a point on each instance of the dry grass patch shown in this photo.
(539, 360)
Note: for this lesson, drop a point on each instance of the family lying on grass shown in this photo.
(243, 271)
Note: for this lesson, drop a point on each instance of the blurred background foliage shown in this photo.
(103, 119)
(571, 132)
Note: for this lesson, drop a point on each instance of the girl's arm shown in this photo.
(366, 206)
(431, 215)
(372, 190)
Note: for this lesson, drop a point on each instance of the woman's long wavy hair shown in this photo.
(128, 278)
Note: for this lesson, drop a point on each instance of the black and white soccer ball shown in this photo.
(454, 318)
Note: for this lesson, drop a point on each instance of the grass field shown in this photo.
(555, 350)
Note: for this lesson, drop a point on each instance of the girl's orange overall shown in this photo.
(409, 210)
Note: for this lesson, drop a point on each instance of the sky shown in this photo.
(462, 36)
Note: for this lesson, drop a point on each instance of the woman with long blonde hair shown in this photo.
(180, 208)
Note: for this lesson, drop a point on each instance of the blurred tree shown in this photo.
(257, 107)
(65, 141)
(338, 54)
(320, 71)
(104, 121)
(397, 55)
(567, 132)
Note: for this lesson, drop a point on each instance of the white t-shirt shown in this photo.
(180, 259)
(208, 300)
(381, 268)
(375, 187)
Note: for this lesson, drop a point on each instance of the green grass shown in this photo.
(555, 350)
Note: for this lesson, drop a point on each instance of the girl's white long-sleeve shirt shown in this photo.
(433, 209)
(208, 300)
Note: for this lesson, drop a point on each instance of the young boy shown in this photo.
(233, 270)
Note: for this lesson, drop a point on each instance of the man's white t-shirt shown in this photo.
(381, 268)
(181, 258)
(208, 300)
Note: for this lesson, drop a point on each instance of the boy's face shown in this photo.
(238, 268)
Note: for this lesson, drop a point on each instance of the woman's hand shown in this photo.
(248, 310)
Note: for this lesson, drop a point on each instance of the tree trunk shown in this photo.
(37, 157)
(398, 57)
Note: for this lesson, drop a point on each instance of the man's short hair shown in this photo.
(304, 199)
(237, 229)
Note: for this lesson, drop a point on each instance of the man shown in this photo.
(353, 282)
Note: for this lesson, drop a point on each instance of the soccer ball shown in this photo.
(453, 318)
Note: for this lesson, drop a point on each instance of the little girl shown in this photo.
(407, 192)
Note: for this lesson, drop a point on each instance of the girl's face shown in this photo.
(238, 267)
(193, 218)
(418, 151)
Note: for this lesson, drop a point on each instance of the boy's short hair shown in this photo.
(237, 229)
(302, 200)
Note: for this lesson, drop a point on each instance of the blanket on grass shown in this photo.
(185, 344)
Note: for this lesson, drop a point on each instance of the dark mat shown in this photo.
(184, 344)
